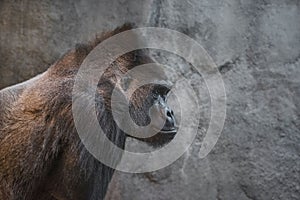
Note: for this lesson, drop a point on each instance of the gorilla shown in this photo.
(41, 154)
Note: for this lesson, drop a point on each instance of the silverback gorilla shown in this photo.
(41, 154)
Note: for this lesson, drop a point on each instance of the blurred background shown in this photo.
(255, 44)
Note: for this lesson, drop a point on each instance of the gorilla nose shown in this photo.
(170, 124)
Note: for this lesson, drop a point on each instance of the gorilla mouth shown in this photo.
(162, 136)
(168, 131)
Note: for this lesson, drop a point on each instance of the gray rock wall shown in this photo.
(255, 43)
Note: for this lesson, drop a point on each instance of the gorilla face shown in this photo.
(154, 109)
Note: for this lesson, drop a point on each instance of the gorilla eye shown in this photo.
(155, 94)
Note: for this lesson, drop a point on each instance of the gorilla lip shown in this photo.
(173, 130)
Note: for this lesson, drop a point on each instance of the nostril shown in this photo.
(169, 114)
(170, 120)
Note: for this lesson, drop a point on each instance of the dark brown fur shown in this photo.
(41, 155)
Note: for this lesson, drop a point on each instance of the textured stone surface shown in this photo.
(255, 43)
